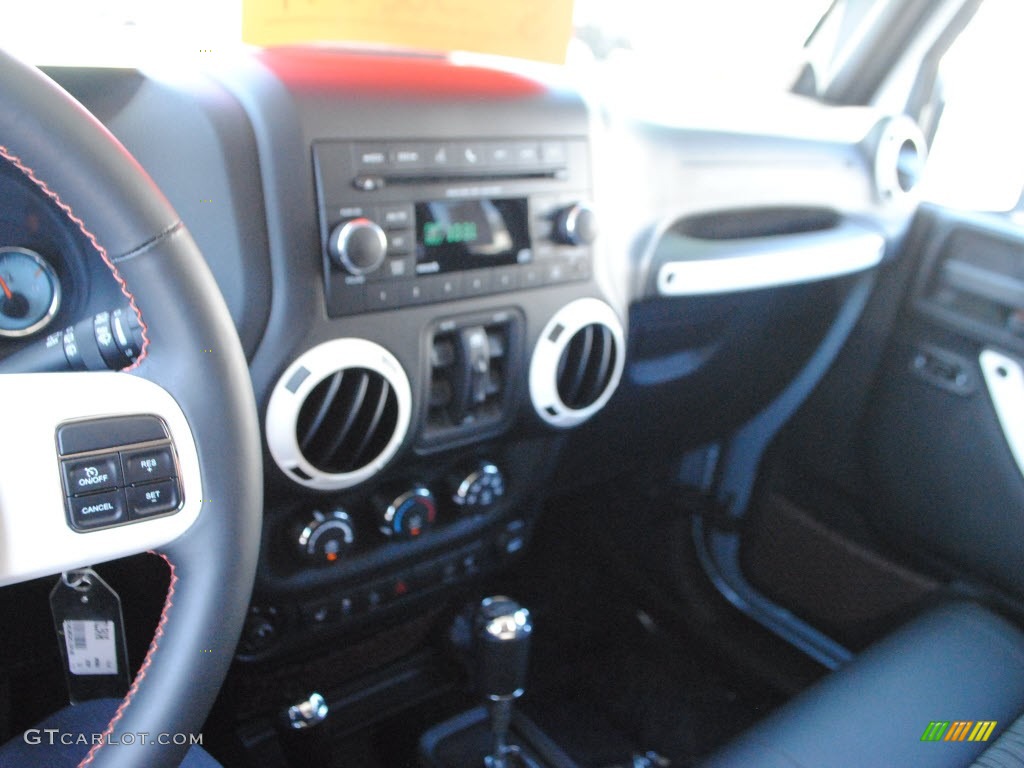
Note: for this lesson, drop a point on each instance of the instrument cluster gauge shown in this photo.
(29, 292)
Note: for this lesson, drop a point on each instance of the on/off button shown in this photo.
(97, 473)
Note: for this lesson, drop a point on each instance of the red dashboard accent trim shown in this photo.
(424, 76)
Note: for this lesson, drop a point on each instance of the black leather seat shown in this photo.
(958, 662)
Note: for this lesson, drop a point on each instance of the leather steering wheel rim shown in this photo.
(58, 145)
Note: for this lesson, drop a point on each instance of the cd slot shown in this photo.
(396, 180)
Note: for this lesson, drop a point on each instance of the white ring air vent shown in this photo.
(899, 158)
(338, 414)
(577, 363)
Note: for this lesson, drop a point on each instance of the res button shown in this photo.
(97, 473)
(147, 465)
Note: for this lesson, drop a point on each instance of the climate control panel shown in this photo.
(330, 534)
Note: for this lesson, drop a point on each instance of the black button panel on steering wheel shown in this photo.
(117, 470)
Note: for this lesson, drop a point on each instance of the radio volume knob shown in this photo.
(576, 225)
(359, 245)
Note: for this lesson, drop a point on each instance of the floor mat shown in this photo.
(606, 681)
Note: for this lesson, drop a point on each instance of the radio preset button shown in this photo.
(407, 156)
(477, 283)
(556, 271)
(381, 296)
(506, 279)
(400, 242)
(372, 156)
(395, 216)
(531, 276)
(553, 153)
(413, 292)
(447, 287)
(399, 268)
(527, 153)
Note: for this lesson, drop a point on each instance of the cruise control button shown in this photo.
(148, 464)
(96, 510)
(153, 498)
(97, 473)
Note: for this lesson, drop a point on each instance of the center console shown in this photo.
(438, 323)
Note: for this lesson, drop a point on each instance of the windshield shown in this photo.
(670, 43)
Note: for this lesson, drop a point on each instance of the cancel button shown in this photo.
(97, 510)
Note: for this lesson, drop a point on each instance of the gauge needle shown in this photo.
(7, 291)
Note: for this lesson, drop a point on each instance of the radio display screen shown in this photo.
(456, 235)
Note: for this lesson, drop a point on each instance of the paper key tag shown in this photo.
(89, 624)
(529, 29)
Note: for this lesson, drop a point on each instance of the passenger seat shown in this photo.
(958, 663)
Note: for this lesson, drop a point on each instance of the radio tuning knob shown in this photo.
(576, 225)
(359, 246)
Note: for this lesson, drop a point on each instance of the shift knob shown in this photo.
(503, 630)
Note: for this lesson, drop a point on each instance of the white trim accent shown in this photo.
(896, 132)
(546, 355)
(35, 539)
(1004, 378)
(322, 361)
(792, 260)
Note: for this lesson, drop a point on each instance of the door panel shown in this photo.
(946, 477)
(896, 481)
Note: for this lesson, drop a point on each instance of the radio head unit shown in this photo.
(406, 223)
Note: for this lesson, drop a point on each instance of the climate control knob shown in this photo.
(359, 246)
(326, 538)
(478, 489)
(576, 225)
(408, 515)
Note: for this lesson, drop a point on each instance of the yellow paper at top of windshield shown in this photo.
(529, 29)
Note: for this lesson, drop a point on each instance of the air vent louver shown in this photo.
(343, 419)
(347, 420)
(577, 363)
(586, 366)
(471, 362)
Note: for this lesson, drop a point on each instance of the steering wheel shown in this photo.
(191, 373)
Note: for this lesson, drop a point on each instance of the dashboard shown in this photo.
(460, 286)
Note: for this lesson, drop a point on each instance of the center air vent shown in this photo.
(338, 414)
(473, 361)
(577, 363)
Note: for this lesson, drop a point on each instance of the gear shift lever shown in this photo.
(503, 630)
